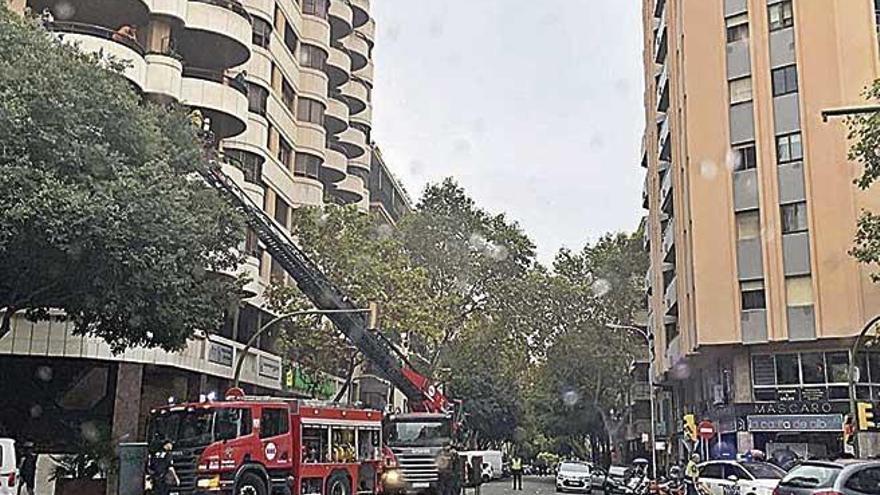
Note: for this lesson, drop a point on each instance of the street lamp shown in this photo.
(853, 371)
(649, 342)
(275, 320)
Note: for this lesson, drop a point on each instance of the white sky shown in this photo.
(534, 106)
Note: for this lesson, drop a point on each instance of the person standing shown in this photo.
(161, 470)
(692, 474)
(28, 469)
(516, 469)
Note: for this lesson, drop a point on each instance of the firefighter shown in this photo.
(161, 470)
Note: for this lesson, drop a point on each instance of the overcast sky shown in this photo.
(534, 106)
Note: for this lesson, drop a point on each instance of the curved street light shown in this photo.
(853, 371)
(649, 342)
(244, 352)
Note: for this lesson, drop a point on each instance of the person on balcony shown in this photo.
(125, 33)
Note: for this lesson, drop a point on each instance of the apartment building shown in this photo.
(285, 88)
(754, 299)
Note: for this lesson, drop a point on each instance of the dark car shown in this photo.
(847, 477)
(615, 480)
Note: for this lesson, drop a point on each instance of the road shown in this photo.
(532, 485)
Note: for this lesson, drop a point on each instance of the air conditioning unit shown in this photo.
(718, 398)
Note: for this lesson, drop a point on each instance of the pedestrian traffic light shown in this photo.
(690, 427)
(849, 429)
(866, 416)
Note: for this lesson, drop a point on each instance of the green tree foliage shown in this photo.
(99, 214)
(864, 132)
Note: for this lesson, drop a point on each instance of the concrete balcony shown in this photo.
(108, 13)
(338, 65)
(334, 168)
(313, 84)
(90, 38)
(262, 8)
(175, 9)
(368, 30)
(670, 296)
(659, 8)
(336, 117)
(645, 192)
(668, 239)
(315, 31)
(663, 89)
(367, 73)
(350, 190)
(661, 42)
(353, 142)
(340, 17)
(365, 117)
(259, 67)
(361, 11)
(356, 95)
(217, 34)
(311, 138)
(361, 163)
(164, 77)
(220, 97)
(359, 50)
(666, 188)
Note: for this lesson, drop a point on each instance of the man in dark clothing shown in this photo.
(28, 469)
(161, 470)
(516, 469)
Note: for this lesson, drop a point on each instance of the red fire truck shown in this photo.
(265, 446)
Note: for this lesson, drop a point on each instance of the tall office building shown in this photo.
(753, 296)
(285, 88)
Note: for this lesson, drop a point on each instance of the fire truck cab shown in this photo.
(269, 446)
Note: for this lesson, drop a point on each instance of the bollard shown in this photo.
(132, 468)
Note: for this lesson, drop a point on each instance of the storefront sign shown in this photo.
(788, 395)
(797, 407)
(815, 394)
(219, 353)
(270, 368)
(796, 422)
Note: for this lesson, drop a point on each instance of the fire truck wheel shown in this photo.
(338, 484)
(250, 484)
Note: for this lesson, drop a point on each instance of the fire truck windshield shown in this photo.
(182, 428)
(418, 433)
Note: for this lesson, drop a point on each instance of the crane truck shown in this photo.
(420, 442)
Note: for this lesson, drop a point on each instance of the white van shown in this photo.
(491, 462)
(9, 478)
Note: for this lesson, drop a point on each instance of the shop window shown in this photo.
(838, 364)
(813, 367)
(274, 422)
(787, 369)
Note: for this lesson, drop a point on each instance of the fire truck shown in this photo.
(265, 445)
(421, 440)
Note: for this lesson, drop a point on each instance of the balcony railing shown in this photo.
(237, 84)
(231, 5)
(98, 32)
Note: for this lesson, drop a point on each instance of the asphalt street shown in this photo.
(532, 485)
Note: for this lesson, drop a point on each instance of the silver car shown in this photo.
(847, 477)
(574, 477)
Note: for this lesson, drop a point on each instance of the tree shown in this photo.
(368, 263)
(100, 216)
(864, 131)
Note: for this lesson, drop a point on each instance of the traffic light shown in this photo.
(690, 427)
(865, 412)
(849, 429)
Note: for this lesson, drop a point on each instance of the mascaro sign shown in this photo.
(793, 408)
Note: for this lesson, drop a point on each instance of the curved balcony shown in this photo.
(217, 34)
(253, 139)
(261, 8)
(175, 9)
(307, 192)
(311, 138)
(356, 95)
(334, 167)
(111, 13)
(315, 31)
(364, 118)
(361, 12)
(366, 73)
(358, 49)
(164, 76)
(361, 163)
(353, 142)
(336, 116)
(338, 65)
(340, 17)
(350, 190)
(90, 38)
(221, 98)
(368, 30)
(259, 67)
(313, 84)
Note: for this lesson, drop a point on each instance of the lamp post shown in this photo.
(649, 342)
(275, 320)
(853, 371)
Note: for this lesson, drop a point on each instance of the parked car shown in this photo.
(615, 480)
(573, 477)
(597, 477)
(9, 479)
(847, 477)
(741, 478)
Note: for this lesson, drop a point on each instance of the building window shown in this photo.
(781, 15)
(744, 157)
(794, 217)
(249, 163)
(252, 243)
(789, 148)
(285, 152)
(748, 225)
(288, 96)
(311, 56)
(752, 295)
(257, 96)
(307, 165)
(737, 28)
(290, 39)
(740, 90)
(801, 376)
(315, 7)
(785, 80)
(799, 291)
(282, 211)
(261, 32)
(308, 110)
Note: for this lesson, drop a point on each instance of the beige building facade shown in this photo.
(752, 210)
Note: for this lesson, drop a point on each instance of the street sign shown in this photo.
(706, 430)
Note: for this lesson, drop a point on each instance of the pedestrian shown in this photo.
(28, 468)
(161, 470)
(516, 468)
(692, 474)
(46, 18)
(125, 33)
